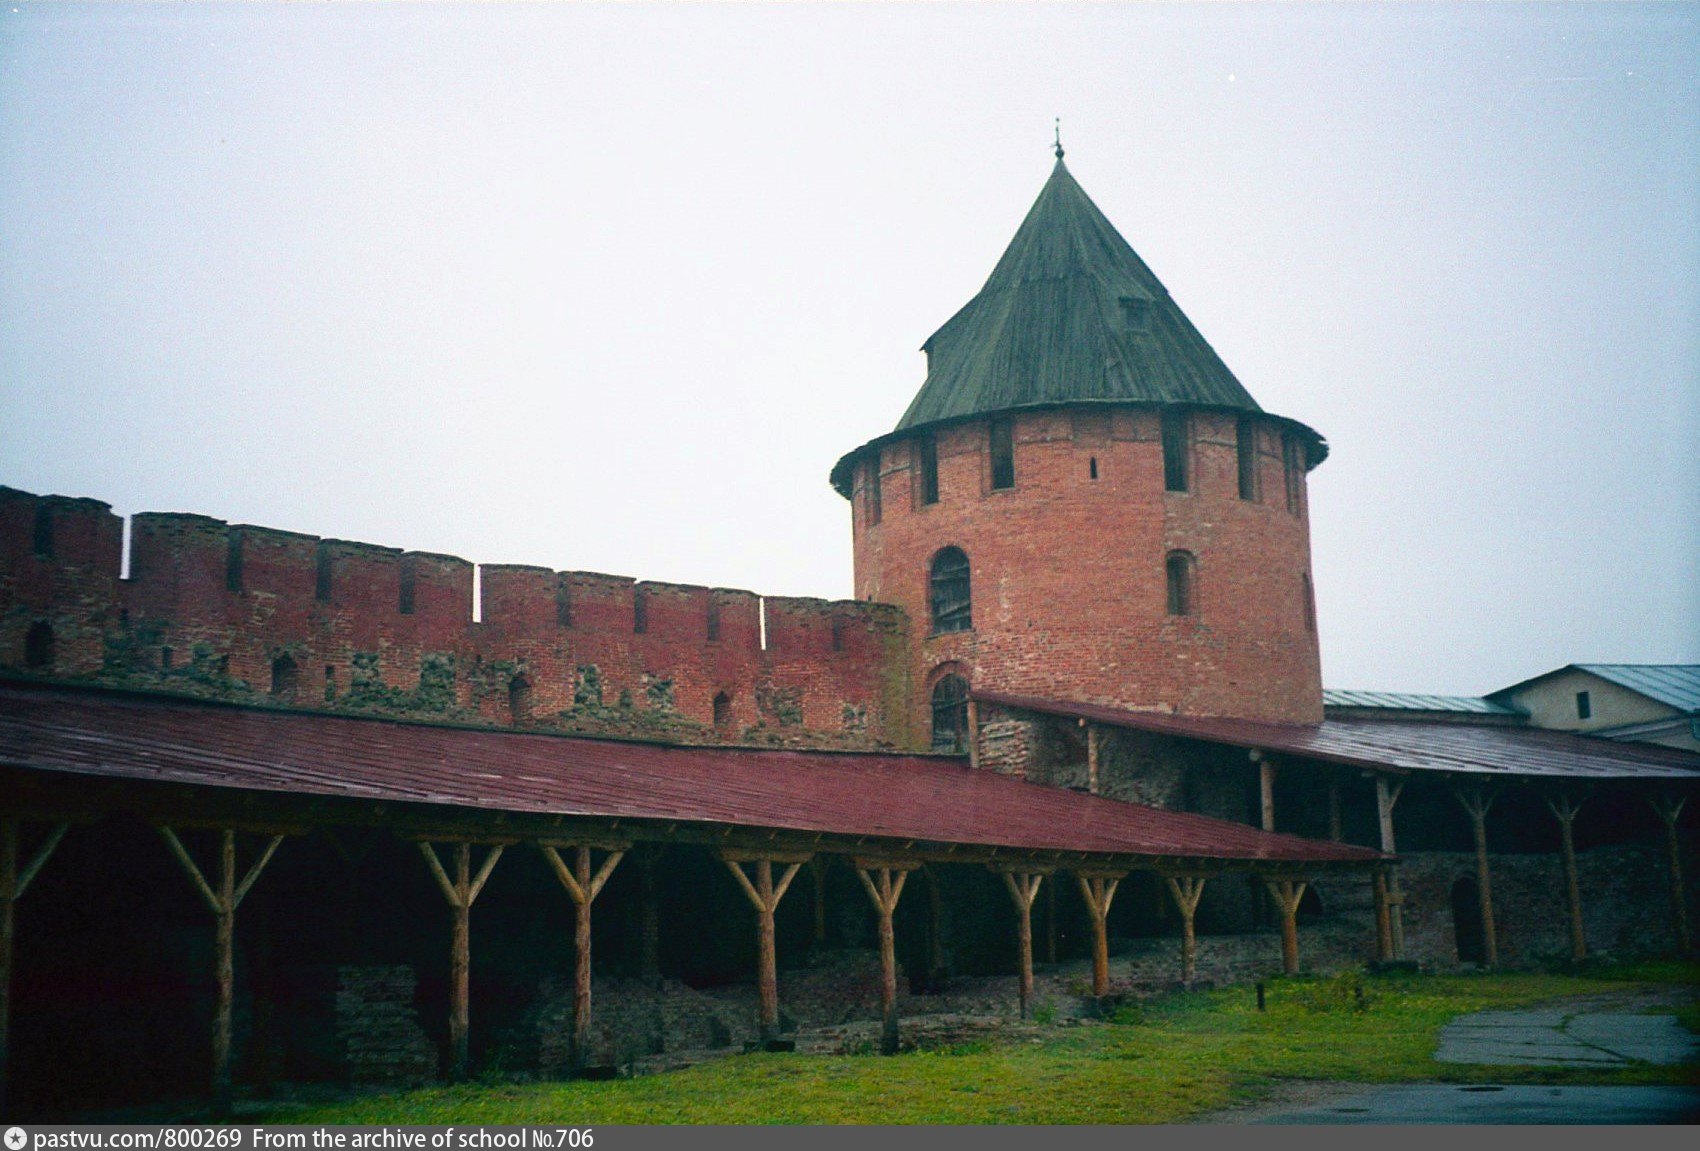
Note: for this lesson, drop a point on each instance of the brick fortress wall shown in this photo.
(256, 614)
(1068, 565)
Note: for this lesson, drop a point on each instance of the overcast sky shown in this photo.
(611, 288)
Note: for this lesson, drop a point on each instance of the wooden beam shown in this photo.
(1266, 793)
(1023, 889)
(1564, 807)
(222, 900)
(973, 734)
(1668, 807)
(764, 895)
(1383, 921)
(884, 886)
(1186, 890)
(14, 881)
(1099, 891)
(1476, 801)
(1094, 739)
(582, 887)
(460, 892)
(1287, 893)
(1387, 793)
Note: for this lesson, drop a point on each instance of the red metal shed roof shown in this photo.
(907, 797)
(1404, 745)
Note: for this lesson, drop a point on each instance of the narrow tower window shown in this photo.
(1247, 442)
(1180, 578)
(322, 574)
(723, 714)
(407, 586)
(950, 714)
(233, 560)
(1584, 706)
(872, 484)
(1292, 465)
(837, 633)
(1001, 435)
(1175, 444)
(1309, 594)
(949, 581)
(43, 530)
(713, 619)
(1136, 314)
(286, 678)
(929, 450)
(640, 611)
(1092, 468)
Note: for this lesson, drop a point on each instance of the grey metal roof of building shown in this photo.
(1410, 701)
(1049, 329)
(1403, 745)
(1672, 684)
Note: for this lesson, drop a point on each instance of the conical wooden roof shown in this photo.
(1069, 314)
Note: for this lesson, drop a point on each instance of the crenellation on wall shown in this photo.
(263, 615)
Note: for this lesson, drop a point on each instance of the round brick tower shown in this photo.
(1083, 504)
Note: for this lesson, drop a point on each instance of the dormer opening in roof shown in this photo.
(1036, 448)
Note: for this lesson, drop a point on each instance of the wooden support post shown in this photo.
(877, 879)
(1287, 893)
(1098, 889)
(1476, 801)
(1336, 824)
(973, 734)
(764, 895)
(817, 869)
(1564, 807)
(649, 927)
(1383, 921)
(1023, 889)
(14, 881)
(1386, 795)
(1266, 793)
(222, 901)
(583, 888)
(1668, 808)
(1186, 890)
(461, 892)
(1094, 738)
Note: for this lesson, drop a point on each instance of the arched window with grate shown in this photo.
(952, 610)
(950, 714)
(1179, 567)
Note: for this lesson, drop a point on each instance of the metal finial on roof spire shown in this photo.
(1059, 138)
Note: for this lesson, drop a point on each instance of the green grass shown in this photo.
(1171, 1059)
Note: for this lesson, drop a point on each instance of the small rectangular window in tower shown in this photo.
(1136, 314)
(43, 530)
(1092, 468)
(563, 603)
(1292, 465)
(1584, 706)
(233, 560)
(1001, 440)
(1247, 442)
(713, 619)
(872, 486)
(330, 683)
(640, 611)
(837, 633)
(322, 574)
(1175, 448)
(929, 450)
(407, 586)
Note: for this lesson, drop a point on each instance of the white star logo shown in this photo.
(16, 1137)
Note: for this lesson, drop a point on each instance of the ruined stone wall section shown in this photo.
(256, 614)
